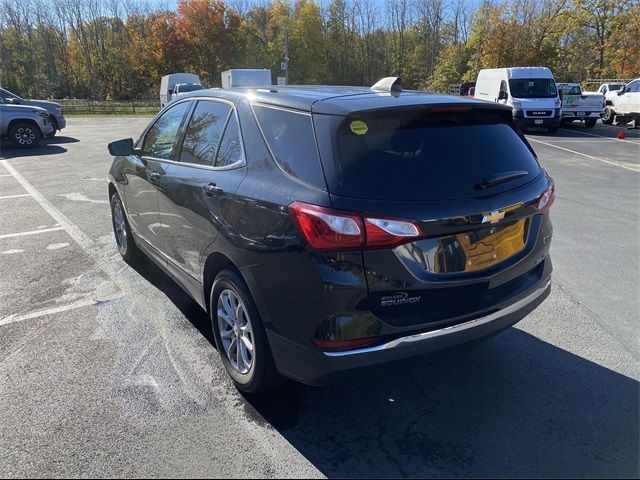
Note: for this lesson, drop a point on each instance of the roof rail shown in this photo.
(388, 85)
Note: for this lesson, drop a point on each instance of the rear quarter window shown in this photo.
(290, 137)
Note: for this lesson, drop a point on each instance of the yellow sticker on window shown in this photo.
(359, 127)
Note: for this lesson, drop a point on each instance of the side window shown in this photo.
(162, 137)
(204, 131)
(230, 150)
(291, 139)
(633, 87)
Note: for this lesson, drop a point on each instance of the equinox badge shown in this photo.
(399, 298)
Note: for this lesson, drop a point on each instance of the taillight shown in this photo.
(326, 229)
(387, 232)
(547, 198)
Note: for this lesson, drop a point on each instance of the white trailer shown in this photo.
(246, 77)
(169, 82)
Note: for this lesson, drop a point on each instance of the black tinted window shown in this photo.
(418, 156)
(162, 137)
(230, 150)
(203, 132)
(290, 137)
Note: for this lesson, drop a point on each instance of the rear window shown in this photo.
(411, 155)
(290, 137)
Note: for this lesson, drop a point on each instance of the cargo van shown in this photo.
(246, 77)
(183, 80)
(530, 91)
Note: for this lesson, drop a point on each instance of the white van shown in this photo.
(169, 82)
(246, 77)
(530, 91)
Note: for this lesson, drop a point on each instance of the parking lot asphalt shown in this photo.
(106, 370)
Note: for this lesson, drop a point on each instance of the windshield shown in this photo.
(533, 88)
(189, 88)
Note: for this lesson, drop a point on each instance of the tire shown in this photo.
(552, 129)
(54, 124)
(25, 134)
(590, 122)
(122, 231)
(607, 116)
(234, 315)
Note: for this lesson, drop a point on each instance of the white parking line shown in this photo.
(32, 232)
(588, 156)
(74, 232)
(87, 302)
(111, 270)
(600, 136)
(16, 196)
(5, 175)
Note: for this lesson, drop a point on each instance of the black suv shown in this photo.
(330, 228)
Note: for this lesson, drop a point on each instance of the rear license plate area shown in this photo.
(480, 249)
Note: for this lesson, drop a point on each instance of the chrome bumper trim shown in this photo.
(398, 342)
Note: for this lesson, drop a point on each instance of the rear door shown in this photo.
(198, 190)
(470, 180)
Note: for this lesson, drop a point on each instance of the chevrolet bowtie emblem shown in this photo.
(493, 217)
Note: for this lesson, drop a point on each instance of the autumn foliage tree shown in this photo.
(120, 49)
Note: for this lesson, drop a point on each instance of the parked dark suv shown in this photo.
(331, 228)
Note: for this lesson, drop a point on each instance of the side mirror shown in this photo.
(503, 95)
(170, 91)
(621, 91)
(561, 95)
(121, 148)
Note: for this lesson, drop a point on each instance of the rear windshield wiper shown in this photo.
(499, 178)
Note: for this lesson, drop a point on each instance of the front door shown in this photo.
(146, 170)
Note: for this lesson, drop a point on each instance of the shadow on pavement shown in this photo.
(48, 146)
(60, 139)
(513, 406)
(189, 308)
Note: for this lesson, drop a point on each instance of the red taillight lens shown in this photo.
(547, 198)
(326, 229)
(342, 344)
(387, 232)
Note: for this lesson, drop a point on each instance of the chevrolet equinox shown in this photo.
(331, 228)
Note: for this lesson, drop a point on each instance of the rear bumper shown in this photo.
(316, 367)
(570, 116)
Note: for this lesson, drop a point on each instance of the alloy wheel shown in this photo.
(25, 136)
(120, 227)
(236, 333)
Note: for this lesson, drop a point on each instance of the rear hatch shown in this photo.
(467, 178)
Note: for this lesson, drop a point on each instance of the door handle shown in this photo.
(211, 189)
(154, 175)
